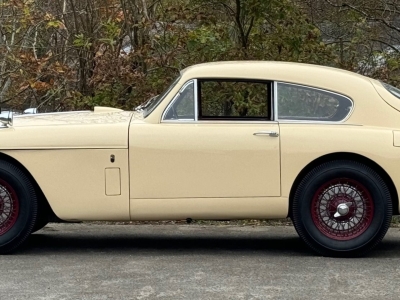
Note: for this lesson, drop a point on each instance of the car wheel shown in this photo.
(18, 207)
(43, 211)
(342, 208)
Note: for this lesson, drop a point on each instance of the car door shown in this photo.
(216, 139)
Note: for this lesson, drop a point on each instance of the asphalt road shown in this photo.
(87, 261)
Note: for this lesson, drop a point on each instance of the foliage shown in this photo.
(75, 54)
(234, 99)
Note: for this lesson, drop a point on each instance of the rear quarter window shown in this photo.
(391, 89)
(297, 102)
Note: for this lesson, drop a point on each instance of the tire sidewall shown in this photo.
(27, 204)
(371, 182)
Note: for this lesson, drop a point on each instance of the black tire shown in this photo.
(43, 211)
(342, 208)
(18, 207)
(40, 223)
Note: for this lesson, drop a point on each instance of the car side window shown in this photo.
(234, 99)
(297, 102)
(182, 107)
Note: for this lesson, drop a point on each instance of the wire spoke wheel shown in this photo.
(342, 209)
(18, 207)
(9, 207)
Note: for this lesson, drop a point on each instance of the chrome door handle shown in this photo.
(269, 133)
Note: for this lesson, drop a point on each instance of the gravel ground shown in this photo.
(99, 261)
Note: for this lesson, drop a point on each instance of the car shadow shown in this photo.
(44, 243)
(172, 244)
(387, 248)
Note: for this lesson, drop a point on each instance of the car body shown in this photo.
(216, 145)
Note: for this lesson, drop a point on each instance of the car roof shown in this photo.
(307, 74)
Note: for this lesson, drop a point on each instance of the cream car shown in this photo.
(230, 140)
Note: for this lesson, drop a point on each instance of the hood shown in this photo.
(100, 115)
(99, 129)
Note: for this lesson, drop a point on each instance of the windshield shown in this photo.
(153, 102)
(393, 90)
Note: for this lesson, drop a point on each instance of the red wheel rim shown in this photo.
(342, 209)
(9, 207)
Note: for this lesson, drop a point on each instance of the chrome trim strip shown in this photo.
(53, 113)
(275, 104)
(196, 101)
(174, 99)
(179, 121)
(316, 122)
(217, 122)
(317, 89)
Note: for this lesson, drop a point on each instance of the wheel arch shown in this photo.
(349, 156)
(44, 204)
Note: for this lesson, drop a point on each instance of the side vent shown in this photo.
(396, 138)
(113, 181)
